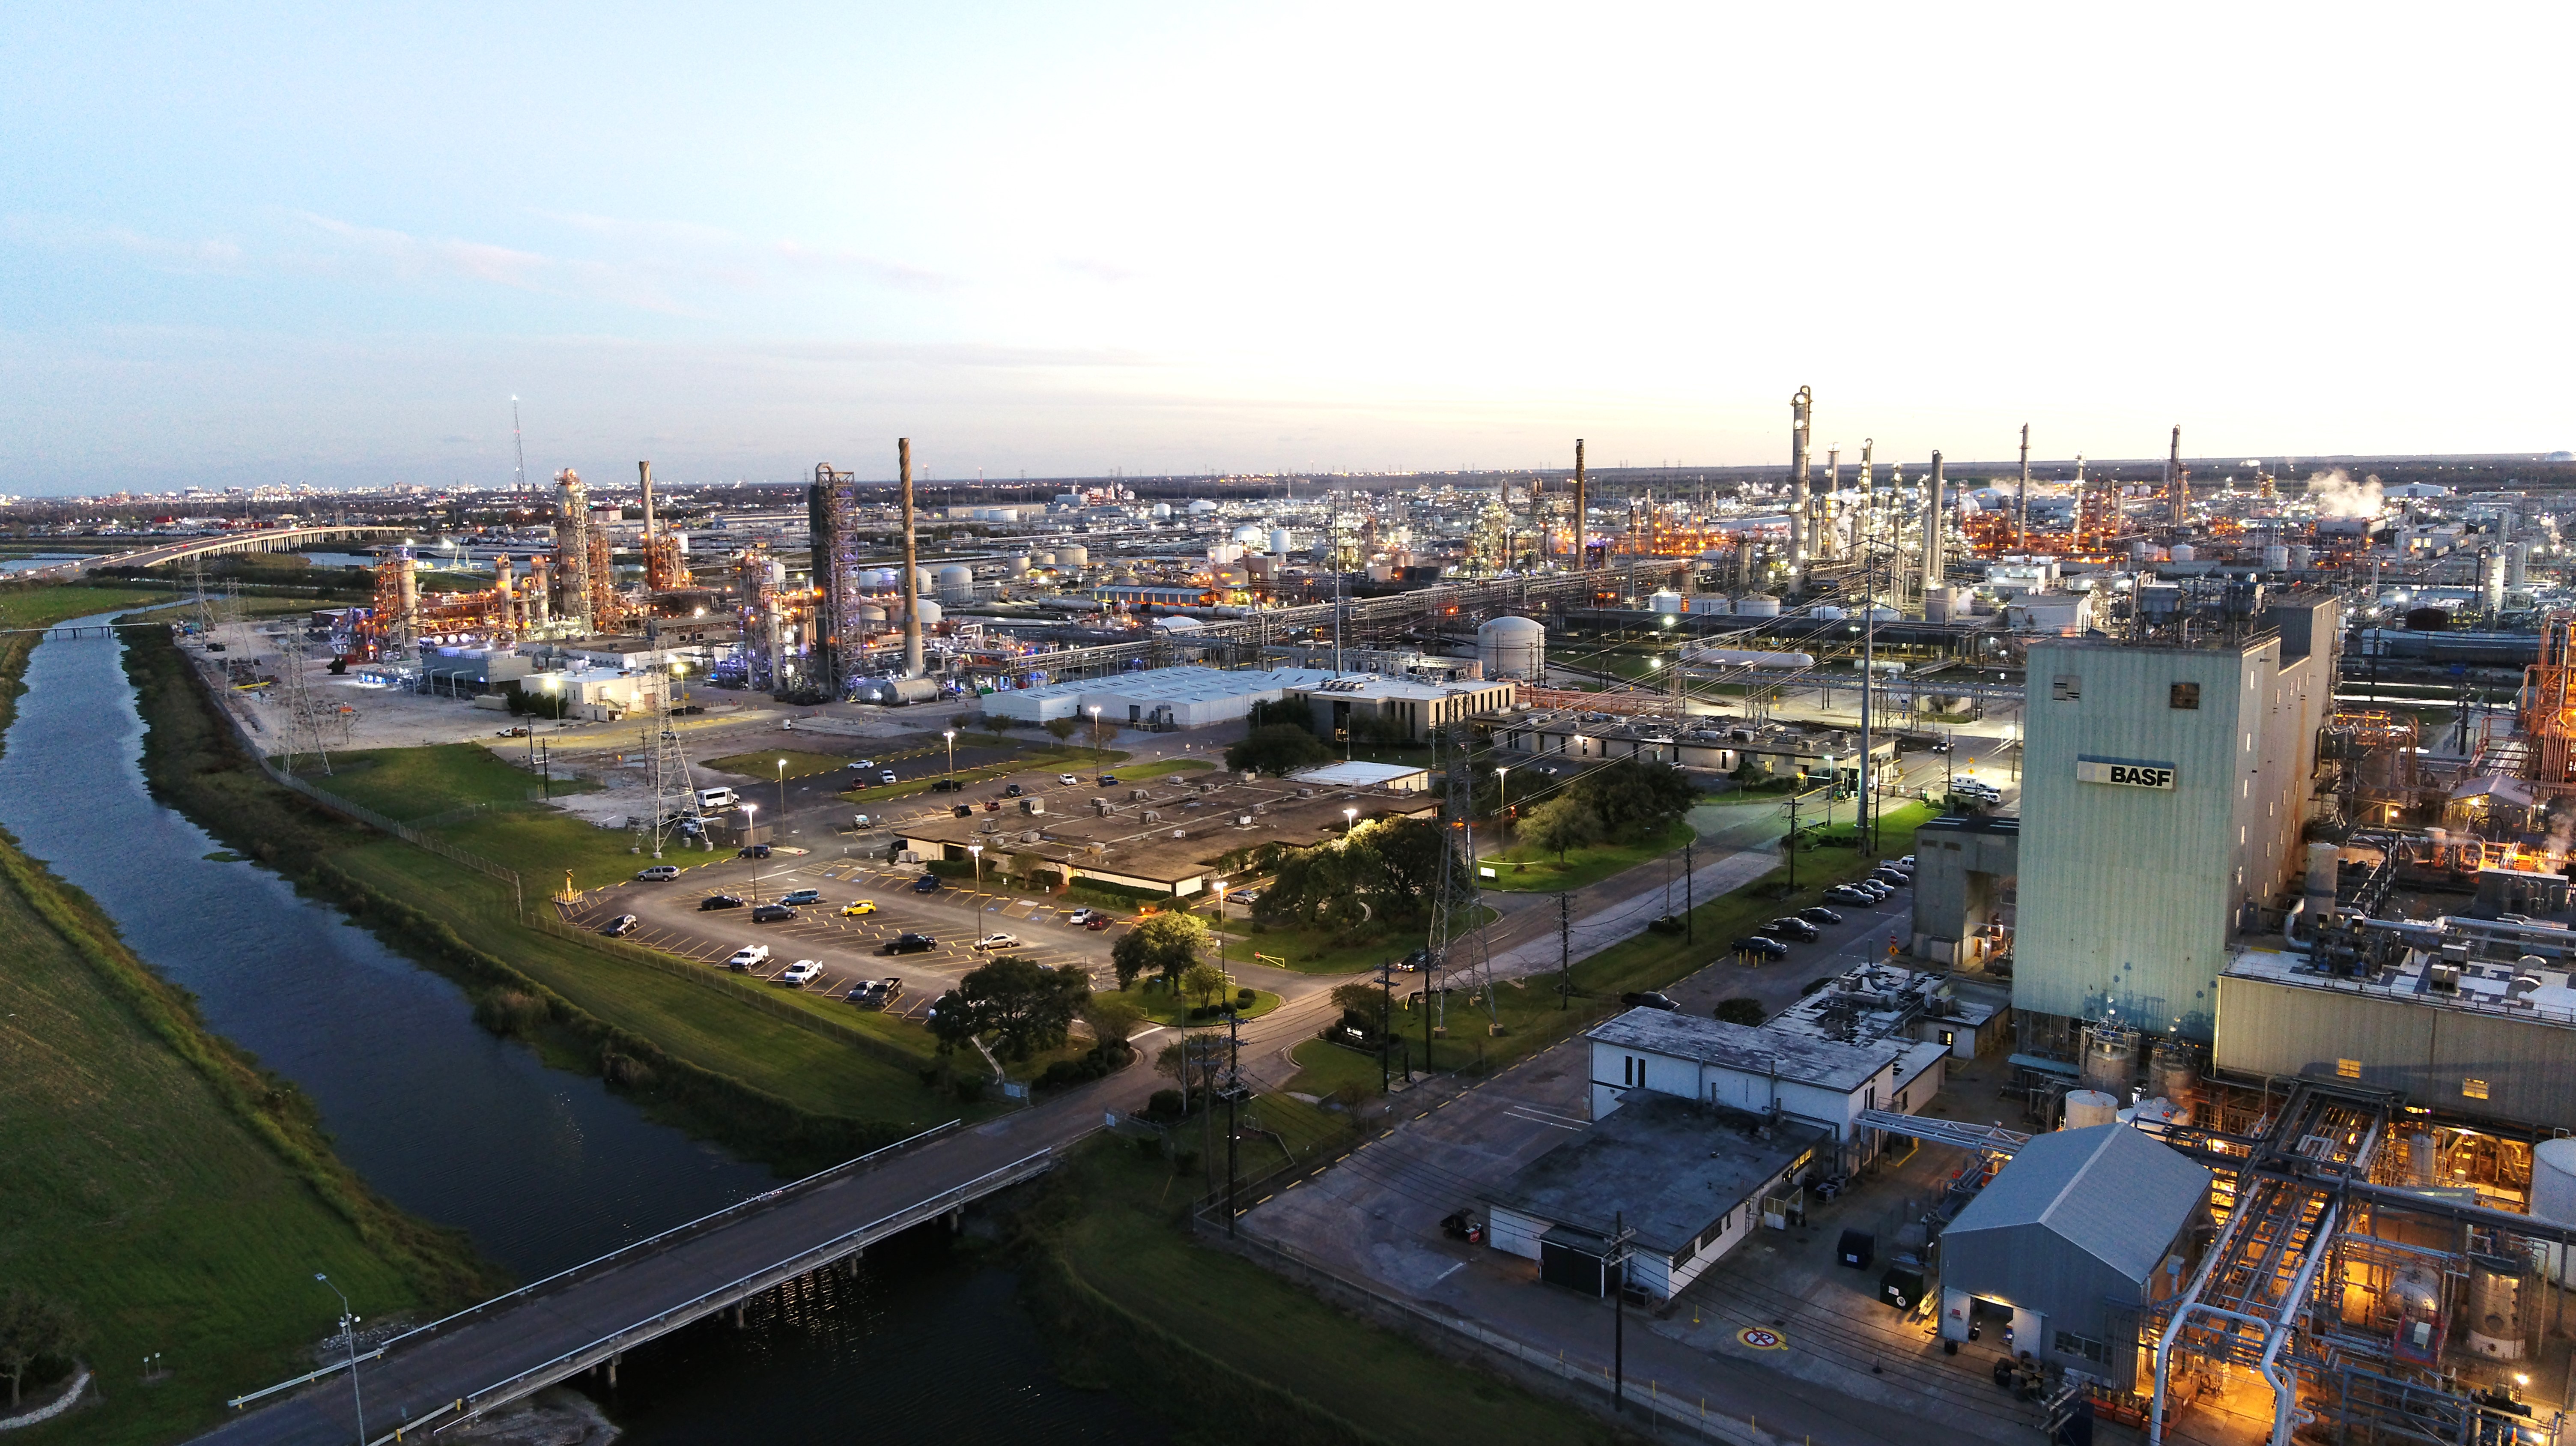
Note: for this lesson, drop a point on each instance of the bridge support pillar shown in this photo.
(612, 1371)
(957, 1220)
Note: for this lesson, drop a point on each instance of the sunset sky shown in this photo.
(292, 243)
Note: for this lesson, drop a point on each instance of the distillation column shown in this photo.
(911, 567)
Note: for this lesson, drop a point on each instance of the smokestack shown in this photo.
(407, 600)
(2175, 488)
(1581, 503)
(645, 469)
(1801, 402)
(911, 567)
(2021, 497)
(1932, 564)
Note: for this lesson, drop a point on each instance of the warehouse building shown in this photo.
(1186, 697)
(2165, 785)
(1421, 706)
(1776, 1074)
(2078, 1236)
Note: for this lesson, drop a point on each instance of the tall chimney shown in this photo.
(1582, 503)
(1801, 402)
(2021, 497)
(911, 567)
(1932, 563)
(645, 469)
(2176, 489)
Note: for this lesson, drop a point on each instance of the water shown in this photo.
(33, 561)
(544, 1169)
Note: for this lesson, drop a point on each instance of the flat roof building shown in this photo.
(1780, 1074)
(1419, 706)
(1184, 697)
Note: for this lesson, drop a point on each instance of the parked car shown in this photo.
(1012, 790)
(801, 973)
(1067, 779)
(1247, 898)
(998, 941)
(962, 810)
(719, 901)
(886, 775)
(659, 873)
(1080, 916)
(863, 764)
(926, 884)
(1906, 862)
(1820, 915)
(747, 958)
(1891, 878)
(752, 851)
(1762, 946)
(858, 908)
(945, 785)
(1105, 780)
(801, 896)
(772, 914)
(1648, 999)
(1098, 921)
(867, 994)
(1791, 927)
(908, 944)
(619, 927)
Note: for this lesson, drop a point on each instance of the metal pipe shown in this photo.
(2021, 498)
(911, 567)
(2174, 484)
(1932, 563)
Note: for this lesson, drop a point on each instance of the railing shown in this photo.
(634, 1247)
(708, 1302)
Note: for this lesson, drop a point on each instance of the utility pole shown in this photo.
(1789, 845)
(1233, 1090)
(1564, 950)
(1618, 1267)
(1690, 926)
(1386, 1025)
(1866, 821)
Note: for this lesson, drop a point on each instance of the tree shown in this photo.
(33, 1329)
(1563, 822)
(1025, 1005)
(1277, 749)
(954, 1022)
(1406, 855)
(1203, 980)
(1027, 867)
(1112, 1018)
(1159, 944)
(1634, 798)
(1000, 722)
(1360, 999)
(1739, 1010)
(1062, 728)
(959, 721)
(1319, 887)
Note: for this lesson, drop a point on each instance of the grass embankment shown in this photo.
(1523, 869)
(437, 782)
(800, 764)
(1534, 1015)
(720, 1067)
(1172, 1007)
(42, 606)
(179, 1197)
(1130, 1303)
(405, 784)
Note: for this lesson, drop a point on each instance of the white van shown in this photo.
(711, 799)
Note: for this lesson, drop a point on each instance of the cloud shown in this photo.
(893, 273)
(171, 254)
(417, 257)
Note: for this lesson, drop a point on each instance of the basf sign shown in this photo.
(2126, 773)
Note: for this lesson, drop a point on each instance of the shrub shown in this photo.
(510, 1013)
(1164, 1105)
(1243, 998)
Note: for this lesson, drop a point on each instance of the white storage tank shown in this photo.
(1828, 613)
(1279, 542)
(923, 584)
(1251, 535)
(2182, 552)
(1074, 556)
(1665, 602)
(1757, 605)
(1512, 647)
(1046, 559)
(1018, 565)
(871, 613)
(1711, 603)
(877, 579)
(2553, 1196)
(2087, 1108)
(956, 584)
(929, 612)
(1162, 512)
(2276, 559)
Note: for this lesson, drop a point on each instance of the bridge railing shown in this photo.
(708, 1302)
(663, 1240)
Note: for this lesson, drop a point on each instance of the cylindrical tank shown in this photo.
(1046, 559)
(2424, 1157)
(2553, 1197)
(1073, 556)
(2182, 552)
(2174, 1075)
(1017, 565)
(2495, 1307)
(929, 612)
(956, 584)
(1162, 511)
(2276, 559)
(2087, 1108)
(923, 584)
(1664, 602)
(1512, 647)
(871, 613)
(1827, 613)
(1279, 542)
(1757, 605)
(1251, 535)
(1883, 613)
(2110, 1060)
(1713, 603)
(2517, 562)
(2302, 557)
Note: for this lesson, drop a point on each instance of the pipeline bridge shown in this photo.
(451, 1371)
(274, 539)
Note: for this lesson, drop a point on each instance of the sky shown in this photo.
(261, 243)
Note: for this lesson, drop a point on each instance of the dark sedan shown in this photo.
(719, 901)
(1791, 927)
(1762, 946)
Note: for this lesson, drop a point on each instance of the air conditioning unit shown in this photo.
(1243, 820)
(1032, 836)
(1305, 793)
(1153, 815)
(1033, 805)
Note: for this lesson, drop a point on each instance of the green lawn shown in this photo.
(1140, 1307)
(42, 607)
(800, 764)
(1522, 869)
(1163, 1006)
(1324, 1068)
(1316, 951)
(408, 783)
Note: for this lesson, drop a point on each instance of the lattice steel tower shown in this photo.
(666, 763)
(832, 519)
(1457, 941)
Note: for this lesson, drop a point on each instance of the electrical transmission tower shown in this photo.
(666, 766)
(310, 721)
(1457, 942)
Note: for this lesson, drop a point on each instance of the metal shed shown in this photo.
(2074, 1237)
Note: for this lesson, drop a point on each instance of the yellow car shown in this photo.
(858, 908)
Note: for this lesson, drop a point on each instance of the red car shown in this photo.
(1097, 921)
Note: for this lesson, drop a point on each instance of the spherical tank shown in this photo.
(1074, 556)
(956, 584)
(1512, 647)
(2087, 1108)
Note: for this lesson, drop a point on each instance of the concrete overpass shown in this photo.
(274, 539)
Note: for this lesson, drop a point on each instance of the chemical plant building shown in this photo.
(2165, 785)
(1186, 697)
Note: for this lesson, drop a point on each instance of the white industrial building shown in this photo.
(1420, 706)
(2165, 785)
(1393, 777)
(1185, 697)
(1777, 1074)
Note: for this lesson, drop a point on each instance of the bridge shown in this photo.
(457, 1368)
(273, 539)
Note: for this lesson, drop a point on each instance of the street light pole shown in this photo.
(782, 791)
(1350, 822)
(349, 1339)
(951, 736)
(750, 838)
(1095, 737)
(1503, 805)
(976, 852)
(1220, 930)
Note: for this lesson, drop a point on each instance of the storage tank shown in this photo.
(1664, 602)
(1017, 565)
(2110, 1059)
(1757, 605)
(1512, 647)
(2173, 1074)
(2495, 1307)
(956, 584)
(2182, 552)
(1827, 613)
(1046, 559)
(1251, 535)
(1162, 512)
(1279, 542)
(877, 579)
(2553, 1197)
(2276, 559)
(923, 584)
(2415, 1298)
(2302, 557)
(871, 613)
(929, 612)
(2087, 1108)
(1711, 604)
(1074, 556)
